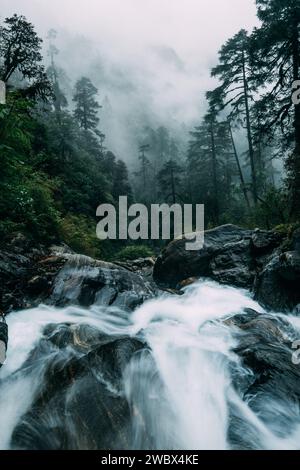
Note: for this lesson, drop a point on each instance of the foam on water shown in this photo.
(180, 390)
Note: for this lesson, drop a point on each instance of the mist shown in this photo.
(150, 59)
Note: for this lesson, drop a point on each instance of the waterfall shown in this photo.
(182, 387)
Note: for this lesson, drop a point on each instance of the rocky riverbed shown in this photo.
(265, 262)
(99, 364)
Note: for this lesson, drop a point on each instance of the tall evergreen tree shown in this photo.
(120, 183)
(20, 51)
(210, 167)
(54, 73)
(170, 181)
(236, 91)
(86, 105)
(276, 48)
(145, 164)
(163, 143)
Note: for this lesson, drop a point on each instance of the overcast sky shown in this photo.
(161, 50)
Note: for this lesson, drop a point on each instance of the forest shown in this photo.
(124, 345)
(56, 168)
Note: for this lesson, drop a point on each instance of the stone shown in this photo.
(231, 255)
(277, 286)
(82, 389)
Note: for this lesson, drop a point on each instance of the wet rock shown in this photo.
(231, 255)
(296, 310)
(277, 286)
(13, 273)
(32, 275)
(263, 241)
(141, 265)
(267, 378)
(38, 284)
(81, 388)
(26, 273)
(235, 265)
(296, 240)
(243, 318)
(85, 281)
(176, 264)
(187, 282)
(265, 347)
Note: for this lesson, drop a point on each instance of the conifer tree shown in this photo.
(236, 90)
(86, 105)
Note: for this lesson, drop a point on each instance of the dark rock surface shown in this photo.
(252, 259)
(19, 263)
(176, 264)
(30, 276)
(231, 255)
(265, 346)
(80, 402)
(85, 281)
(278, 285)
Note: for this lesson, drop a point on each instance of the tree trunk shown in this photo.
(144, 170)
(214, 168)
(249, 135)
(173, 184)
(243, 184)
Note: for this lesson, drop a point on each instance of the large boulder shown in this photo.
(270, 379)
(230, 255)
(79, 401)
(85, 281)
(32, 275)
(277, 286)
(17, 263)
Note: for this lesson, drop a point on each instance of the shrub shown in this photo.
(134, 252)
(79, 232)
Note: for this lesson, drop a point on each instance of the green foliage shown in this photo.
(78, 231)
(20, 47)
(134, 252)
(86, 110)
(211, 172)
(169, 179)
(272, 210)
(20, 51)
(54, 170)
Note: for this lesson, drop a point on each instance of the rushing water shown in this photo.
(183, 382)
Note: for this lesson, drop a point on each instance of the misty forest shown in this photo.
(156, 339)
(56, 168)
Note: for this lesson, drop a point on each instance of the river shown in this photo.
(184, 381)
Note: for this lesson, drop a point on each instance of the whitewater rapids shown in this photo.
(183, 382)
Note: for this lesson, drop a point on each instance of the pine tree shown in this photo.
(145, 164)
(170, 181)
(236, 91)
(86, 106)
(54, 73)
(121, 185)
(20, 51)
(276, 49)
(210, 167)
(163, 143)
